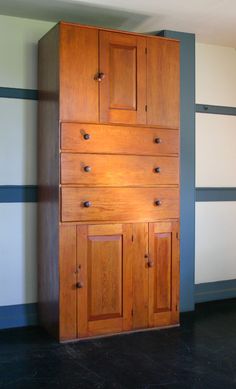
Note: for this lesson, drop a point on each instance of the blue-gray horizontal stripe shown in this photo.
(18, 93)
(211, 291)
(215, 194)
(18, 315)
(18, 193)
(215, 109)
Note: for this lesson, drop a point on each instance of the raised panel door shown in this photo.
(163, 82)
(163, 274)
(104, 268)
(123, 78)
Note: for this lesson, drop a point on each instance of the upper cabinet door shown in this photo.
(163, 82)
(78, 67)
(122, 78)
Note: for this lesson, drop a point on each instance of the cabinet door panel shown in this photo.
(78, 66)
(123, 89)
(105, 276)
(163, 83)
(164, 275)
(104, 300)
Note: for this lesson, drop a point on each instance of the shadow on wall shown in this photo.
(77, 11)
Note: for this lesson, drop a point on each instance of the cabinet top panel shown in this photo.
(63, 23)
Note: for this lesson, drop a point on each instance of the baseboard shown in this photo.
(212, 291)
(18, 315)
(24, 315)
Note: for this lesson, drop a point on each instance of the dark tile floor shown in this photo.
(199, 354)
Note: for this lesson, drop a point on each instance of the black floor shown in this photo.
(199, 354)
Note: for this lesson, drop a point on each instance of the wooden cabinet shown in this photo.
(108, 181)
(112, 77)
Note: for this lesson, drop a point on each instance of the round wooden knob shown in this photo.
(87, 136)
(79, 285)
(158, 140)
(150, 263)
(157, 203)
(87, 204)
(157, 169)
(87, 169)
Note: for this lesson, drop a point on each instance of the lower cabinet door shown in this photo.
(104, 271)
(118, 277)
(163, 274)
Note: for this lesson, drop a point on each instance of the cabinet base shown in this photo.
(120, 333)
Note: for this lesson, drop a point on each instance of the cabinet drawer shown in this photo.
(119, 204)
(118, 170)
(95, 138)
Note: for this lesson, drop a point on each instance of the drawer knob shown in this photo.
(157, 169)
(87, 169)
(157, 203)
(79, 285)
(150, 263)
(87, 136)
(158, 140)
(99, 76)
(87, 204)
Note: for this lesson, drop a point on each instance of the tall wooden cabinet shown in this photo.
(108, 172)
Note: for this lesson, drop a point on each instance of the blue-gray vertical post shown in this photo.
(187, 165)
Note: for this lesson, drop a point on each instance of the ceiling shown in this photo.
(213, 21)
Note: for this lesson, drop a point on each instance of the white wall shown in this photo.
(215, 245)
(215, 75)
(18, 69)
(215, 150)
(215, 241)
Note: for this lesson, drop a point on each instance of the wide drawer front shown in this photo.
(119, 204)
(118, 170)
(95, 138)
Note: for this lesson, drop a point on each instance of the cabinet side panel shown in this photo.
(48, 180)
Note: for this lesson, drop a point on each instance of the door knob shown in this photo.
(87, 169)
(79, 285)
(157, 203)
(157, 140)
(87, 204)
(157, 169)
(99, 76)
(87, 136)
(150, 263)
